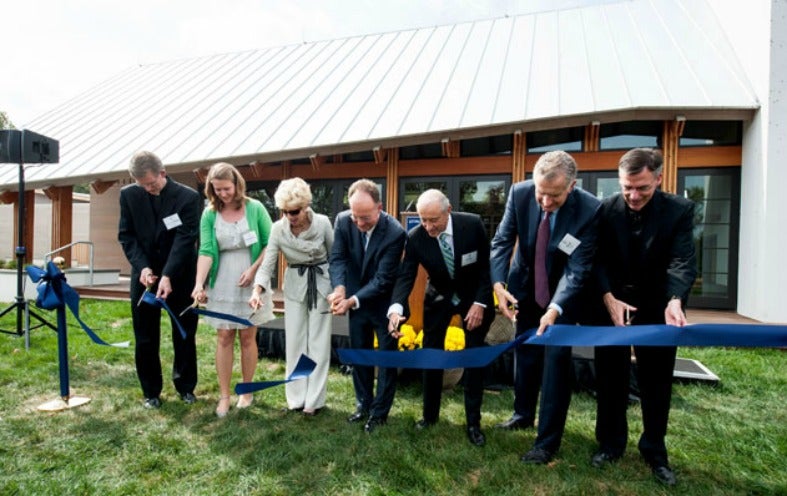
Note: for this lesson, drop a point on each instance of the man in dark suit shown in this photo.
(553, 226)
(453, 248)
(365, 256)
(644, 270)
(159, 225)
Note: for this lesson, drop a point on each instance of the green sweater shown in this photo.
(259, 221)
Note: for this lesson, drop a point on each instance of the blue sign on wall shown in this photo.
(411, 221)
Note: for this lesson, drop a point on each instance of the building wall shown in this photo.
(104, 218)
(758, 32)
(80, 229)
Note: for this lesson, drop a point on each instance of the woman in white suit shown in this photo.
(305, 239)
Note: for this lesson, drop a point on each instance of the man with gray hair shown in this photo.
(453, 248)
(552, 224)
(158, 230)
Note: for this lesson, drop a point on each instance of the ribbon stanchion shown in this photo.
(734, 335)
(303, 368)
(55, 294)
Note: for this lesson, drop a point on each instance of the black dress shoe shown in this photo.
(601, 458)
(188, 398)
(514, 424)
(423, 424)
(537, 456)
(664, 474)
(373, 423)
(475, 436)
(152, 403)
(358, 416)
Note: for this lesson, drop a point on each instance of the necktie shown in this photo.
(542, 279)
(448, 253)
(365, 241)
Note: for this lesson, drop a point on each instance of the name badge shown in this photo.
(249, 238)
(172, 221)
(469, 258)
(569, 244)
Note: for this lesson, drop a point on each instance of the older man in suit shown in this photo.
(453, 248)
(365, 256)
(158, 229)
(552, 224)
(644, 270)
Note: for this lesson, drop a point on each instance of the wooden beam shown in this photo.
(392, 183)
(451, 148)
(8, 197)
(62, 220)
(317, 161)
(201, 174)
(100, 186)
(518, 157)
(591, 141)
(256, 169)
(669, 147)
(710, 156)
(380, 154)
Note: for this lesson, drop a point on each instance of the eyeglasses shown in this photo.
(292, 212)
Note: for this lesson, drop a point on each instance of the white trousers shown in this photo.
(307, 332)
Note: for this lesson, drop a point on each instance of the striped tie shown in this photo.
(448, 253)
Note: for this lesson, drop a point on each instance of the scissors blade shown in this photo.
(194, 304)
(141, 298)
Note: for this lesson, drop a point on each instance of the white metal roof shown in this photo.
(420, 85)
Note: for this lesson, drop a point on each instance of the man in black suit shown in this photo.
(367, 247)
(553, 226)
(644, 270)
(453, 248)
(158, 229)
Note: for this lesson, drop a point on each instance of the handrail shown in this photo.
(69, 245)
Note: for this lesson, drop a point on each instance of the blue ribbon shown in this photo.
(303, 369)
(220, 315)
(54, 292)
(737, 335)
(149, 298)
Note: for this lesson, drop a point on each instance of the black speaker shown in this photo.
(25, 146)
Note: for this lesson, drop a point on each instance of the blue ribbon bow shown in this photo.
(303, 368)
(54, 291)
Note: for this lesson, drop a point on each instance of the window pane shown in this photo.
(567, 139)
(490, 145)
(712, 197)
(486, 198)
(711, 133)
(606, 187)
(413, 189)
(632, 134)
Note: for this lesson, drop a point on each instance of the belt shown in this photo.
(311, 280)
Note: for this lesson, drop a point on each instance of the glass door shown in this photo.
(716, 195)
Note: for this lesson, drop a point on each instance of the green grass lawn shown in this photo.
(727, 439)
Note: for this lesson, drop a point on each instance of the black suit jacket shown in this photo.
(648, 272)
(147, 242)
(368, 275)
(471, 267)
(567, 273)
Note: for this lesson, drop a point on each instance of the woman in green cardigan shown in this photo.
(233, 235)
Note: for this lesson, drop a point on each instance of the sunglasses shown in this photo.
(292, 212)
